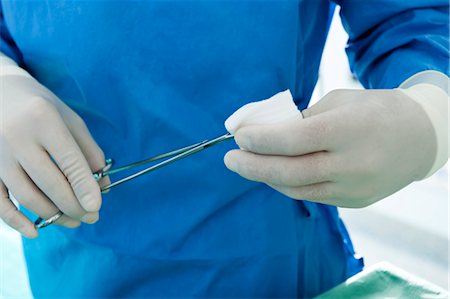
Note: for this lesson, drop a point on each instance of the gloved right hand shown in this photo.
(47, 157)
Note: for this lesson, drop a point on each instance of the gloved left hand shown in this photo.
(353, 148)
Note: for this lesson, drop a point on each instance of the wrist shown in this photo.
(430, 90)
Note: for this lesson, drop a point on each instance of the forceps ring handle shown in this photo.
(41, 222)
(101, 173)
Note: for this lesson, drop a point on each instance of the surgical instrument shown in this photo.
(171, 156)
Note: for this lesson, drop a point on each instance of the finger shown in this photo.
(291, 138)
(90, 149)
(320, 192)
(62, 147)
(335, 98)
(32, 198)
(13, 217)
(280, 170)
(48, 178)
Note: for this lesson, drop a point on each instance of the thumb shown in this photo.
(331, 100)
(90, 149)
(80, 133)
(294, 137)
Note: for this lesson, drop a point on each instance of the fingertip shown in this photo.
(90, 218)
(242, 139)
(92, 202)
(72, 223)
(94, 220)
(30, 232)
(230, 160)
(251, 138)
(103, 183)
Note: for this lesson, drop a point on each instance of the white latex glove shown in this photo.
(36, 127)
(353, 148)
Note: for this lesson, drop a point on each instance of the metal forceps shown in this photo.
(171, 156)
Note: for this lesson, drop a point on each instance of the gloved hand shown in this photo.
(353, 148)
(47, 156)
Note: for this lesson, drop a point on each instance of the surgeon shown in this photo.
(85, 80)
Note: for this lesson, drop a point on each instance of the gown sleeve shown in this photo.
(7, 45)
(391, 40)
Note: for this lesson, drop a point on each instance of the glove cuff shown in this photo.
(431, 77)
(435, 102)
(9, 67)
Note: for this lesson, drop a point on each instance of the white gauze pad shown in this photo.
(278, 108)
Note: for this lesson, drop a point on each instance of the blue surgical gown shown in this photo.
(151, 76)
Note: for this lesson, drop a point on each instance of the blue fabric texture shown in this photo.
(7, 45)
(151, 76)
(393, 40)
